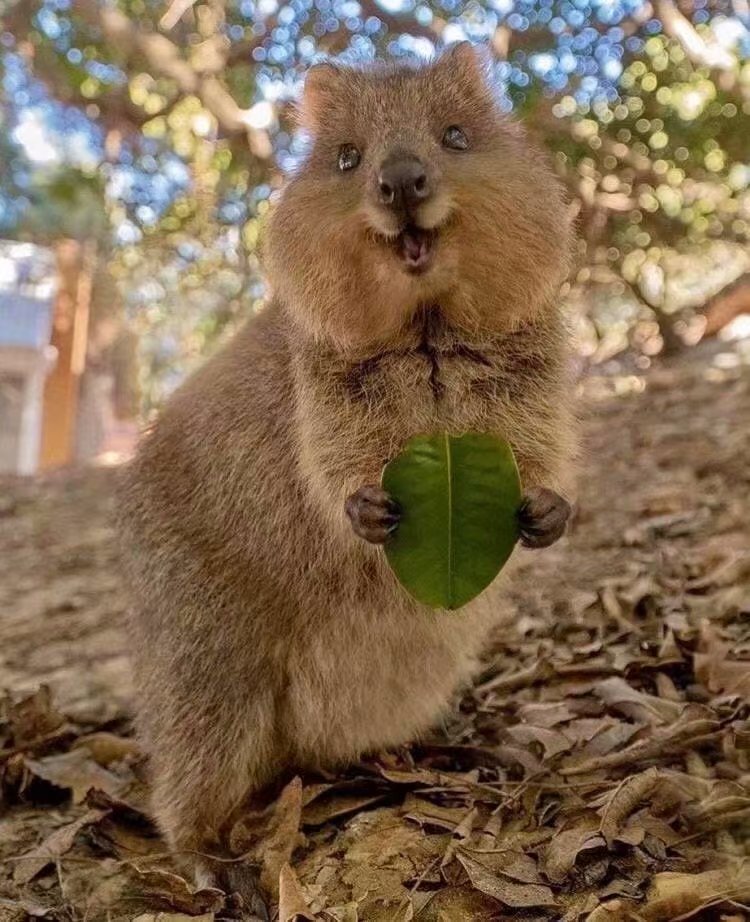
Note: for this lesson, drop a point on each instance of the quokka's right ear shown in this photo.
(471, 64)
(322, 88)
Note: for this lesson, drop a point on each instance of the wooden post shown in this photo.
(69, 338)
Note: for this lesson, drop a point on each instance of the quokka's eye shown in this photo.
(455, 139)
(349, 157)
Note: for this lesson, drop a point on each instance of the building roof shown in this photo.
(27, 290)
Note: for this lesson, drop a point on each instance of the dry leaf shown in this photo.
(420, 776)
(613, 911)
(671, 896)
(292, 903)
(106, 748)
(511, 864)
(619, 695)
(270, 837)
(348, 913)
(546, 714)
(53, 847)
(76, 771)
(324, 809)
(562, 850)
(552, 741)
(283, 836)
(460, 833)
(686, 733)
(32, 718)
(174, 892)
(23, 910)
(612, 737)
(714, 667)
(506, 684)
(632, 834)
(625, 798)
(459, 904)
(174, 917)
(620, 887)
(512, 756)
(127, 809)
(427, 813)
(510, 893)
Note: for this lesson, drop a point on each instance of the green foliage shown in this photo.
(459, 497)
(66, 203)
(667, 164)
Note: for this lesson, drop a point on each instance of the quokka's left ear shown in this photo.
(323, 85)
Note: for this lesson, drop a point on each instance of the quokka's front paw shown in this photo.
(542, 517)
(373, 513)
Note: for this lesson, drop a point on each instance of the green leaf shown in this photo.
(459, 497)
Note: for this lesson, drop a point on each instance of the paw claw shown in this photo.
(543, 517)
(374, 514)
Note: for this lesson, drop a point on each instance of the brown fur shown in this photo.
(267, 635)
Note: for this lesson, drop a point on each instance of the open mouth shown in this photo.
(415, 246)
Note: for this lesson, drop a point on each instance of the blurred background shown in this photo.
(141, 142)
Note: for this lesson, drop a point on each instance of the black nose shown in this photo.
(402, 182)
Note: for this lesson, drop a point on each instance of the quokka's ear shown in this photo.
(471, 64)
(322, 87)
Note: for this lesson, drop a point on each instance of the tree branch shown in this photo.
(672, 343)
(164, 58)
(729, 302)
(175, 12)
(698, 50)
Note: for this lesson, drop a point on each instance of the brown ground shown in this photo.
(599, 770)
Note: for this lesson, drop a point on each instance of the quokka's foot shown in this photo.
(542, 517)
(240, 882)
(374, 515)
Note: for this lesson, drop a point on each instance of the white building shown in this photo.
(27, 293)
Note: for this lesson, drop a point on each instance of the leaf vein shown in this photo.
(449, 472)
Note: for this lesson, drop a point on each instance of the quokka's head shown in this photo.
(416, 191)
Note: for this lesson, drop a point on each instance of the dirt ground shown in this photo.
(600, 768)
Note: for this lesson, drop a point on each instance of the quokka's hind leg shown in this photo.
(202, 765)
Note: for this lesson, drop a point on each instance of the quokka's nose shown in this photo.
(403, 182)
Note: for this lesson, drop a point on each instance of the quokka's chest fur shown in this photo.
(438, 378)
